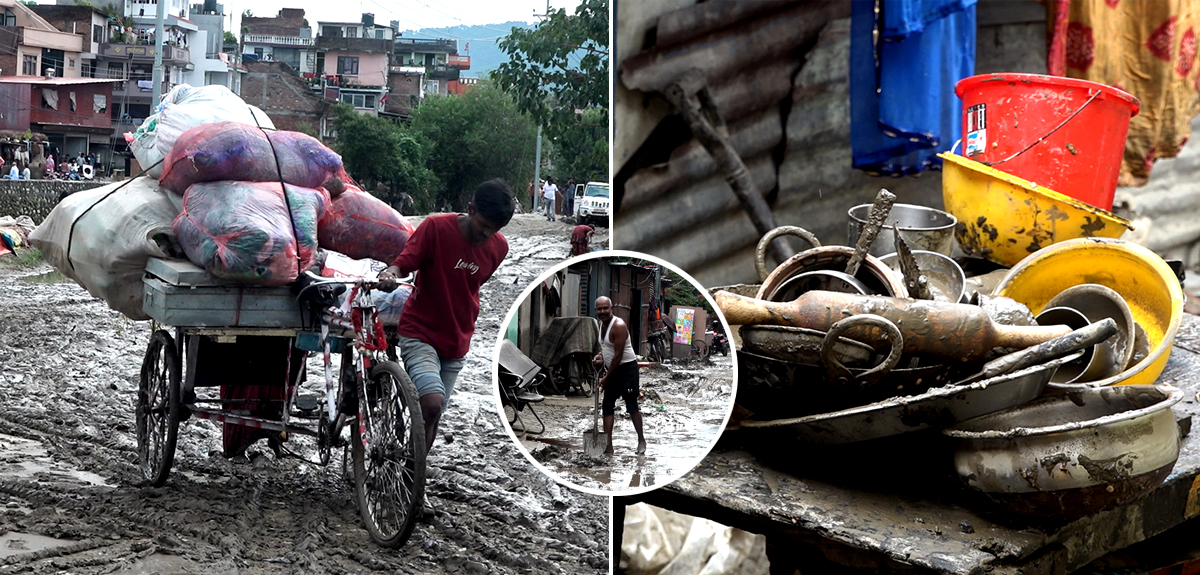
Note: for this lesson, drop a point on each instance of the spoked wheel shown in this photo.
(584, 376)
(389, 460)
(158, 408)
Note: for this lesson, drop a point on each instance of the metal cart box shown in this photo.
(179, 293)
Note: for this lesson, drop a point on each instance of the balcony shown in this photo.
(142, 52)
(273, 40)
(369, 45)
(441, 72)
(426, 45)
(460, 62)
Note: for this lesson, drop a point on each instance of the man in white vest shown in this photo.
(616, 352)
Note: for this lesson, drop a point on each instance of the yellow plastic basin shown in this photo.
(1004, 218)
(1136, 273)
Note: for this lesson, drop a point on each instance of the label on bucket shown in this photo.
(976, 130)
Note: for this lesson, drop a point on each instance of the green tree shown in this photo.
(682, 292)
(558, 74)
(473, 138)
(378, 151)
(229, 38)
(582, 152)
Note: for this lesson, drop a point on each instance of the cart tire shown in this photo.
(158, 408)
(389, 468)
(585, 375)
(700, 347)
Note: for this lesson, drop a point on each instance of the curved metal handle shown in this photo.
(836, 370)
(760, 252)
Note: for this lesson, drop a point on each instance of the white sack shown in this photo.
(128, 223)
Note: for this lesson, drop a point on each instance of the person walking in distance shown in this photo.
(616, 351)
(548, 193)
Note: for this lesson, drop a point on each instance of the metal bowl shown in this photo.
(1072, 371)
(1097, 302)
(921, 227)
(947, 281)
(1070, 455)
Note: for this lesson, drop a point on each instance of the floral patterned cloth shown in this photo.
(1145, 47)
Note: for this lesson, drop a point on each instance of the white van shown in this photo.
(593, 202)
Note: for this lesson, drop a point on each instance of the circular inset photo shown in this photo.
(614, 373)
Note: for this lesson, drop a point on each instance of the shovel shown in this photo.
(593, 441)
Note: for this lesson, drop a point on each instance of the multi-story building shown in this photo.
(283, 38)
(73, 113)
(31, 46)
(439, 57)
(354, 57)
(217, 67)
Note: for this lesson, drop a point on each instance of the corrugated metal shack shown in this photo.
(778, 72)
(628, 284)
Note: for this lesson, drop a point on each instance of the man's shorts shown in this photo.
(429, 373)
(624, 383)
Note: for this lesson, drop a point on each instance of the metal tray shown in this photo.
(938, 407)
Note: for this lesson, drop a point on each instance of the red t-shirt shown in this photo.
(445, 304)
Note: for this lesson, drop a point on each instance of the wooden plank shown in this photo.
(181, 272)
(897, 505)
(220, 306)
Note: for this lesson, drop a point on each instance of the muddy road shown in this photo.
(683, 407)
(70, 493)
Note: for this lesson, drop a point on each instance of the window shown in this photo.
(347, 65)
(379, 34)
(431, 86)
(258, 52)
(97, 33)
(332, 31)
(29, 65)
(351, 32)
(71, 97)
(70, 62)
(359, 100)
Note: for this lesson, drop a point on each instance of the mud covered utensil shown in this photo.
(1053, 349)
(879, 213)
(942, 329)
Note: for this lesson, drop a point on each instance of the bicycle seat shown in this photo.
(322, 295)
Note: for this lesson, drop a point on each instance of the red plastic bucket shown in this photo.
(1062, 133)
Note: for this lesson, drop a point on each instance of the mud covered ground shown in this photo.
(684, 405)
(70, 493)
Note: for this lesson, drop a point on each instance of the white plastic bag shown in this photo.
(662, 542)
(117, 228)
(182, 109)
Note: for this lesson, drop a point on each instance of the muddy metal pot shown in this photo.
(782, 284)
(921, 228)
(776, 388)
(1066, 456)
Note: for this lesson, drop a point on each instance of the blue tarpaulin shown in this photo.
(903, 110)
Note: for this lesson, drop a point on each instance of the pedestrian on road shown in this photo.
(569, 198)
(455, 254)
(616, 351)
(581, 236)
(548, 193)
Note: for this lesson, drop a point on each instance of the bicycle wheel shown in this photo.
(585, 376)
(700, 347)
(389, 462)
(157, 410)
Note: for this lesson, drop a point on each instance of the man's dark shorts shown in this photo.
(623, 383)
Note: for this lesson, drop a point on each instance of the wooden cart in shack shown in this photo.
(236, 355)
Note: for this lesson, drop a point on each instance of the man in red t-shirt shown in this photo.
(453, 255)
(581, 236)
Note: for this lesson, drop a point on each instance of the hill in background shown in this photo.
(484, 49)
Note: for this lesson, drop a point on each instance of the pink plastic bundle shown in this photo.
(360, 225)
(240, 152)
(241, 230)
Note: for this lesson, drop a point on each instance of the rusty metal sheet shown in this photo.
(687, 23)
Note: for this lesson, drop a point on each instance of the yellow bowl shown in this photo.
(1136, 273)
(1004, 218)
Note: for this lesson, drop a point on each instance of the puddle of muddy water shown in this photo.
(14, 543)
(45, 278)
(26, 459)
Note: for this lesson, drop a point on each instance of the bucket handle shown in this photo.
(760, 252)
(1095, 95)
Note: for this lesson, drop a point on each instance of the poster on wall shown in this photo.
(684, 319)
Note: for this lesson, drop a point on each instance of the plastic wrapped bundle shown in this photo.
(102, 238)
(184, 108)
(233, 151)
(240, 231)
(363, 226)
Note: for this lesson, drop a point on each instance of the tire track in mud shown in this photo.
(71, 370)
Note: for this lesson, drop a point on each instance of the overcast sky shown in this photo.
(412, 14)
